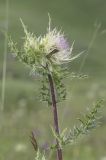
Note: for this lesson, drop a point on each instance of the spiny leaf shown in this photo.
(88, 122)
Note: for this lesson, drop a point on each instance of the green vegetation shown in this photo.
(22, 107)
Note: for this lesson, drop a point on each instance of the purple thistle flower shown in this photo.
(62, 43)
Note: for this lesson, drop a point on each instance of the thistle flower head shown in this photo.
(37, 52)
(57, 47)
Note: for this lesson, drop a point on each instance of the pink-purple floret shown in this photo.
(62, 43)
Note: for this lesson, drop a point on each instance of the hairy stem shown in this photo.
(55, 114)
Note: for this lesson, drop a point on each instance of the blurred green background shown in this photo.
(23, 112)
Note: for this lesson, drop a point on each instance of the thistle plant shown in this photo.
(48, 56)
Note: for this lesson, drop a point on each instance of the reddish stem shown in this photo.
(55, 114)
